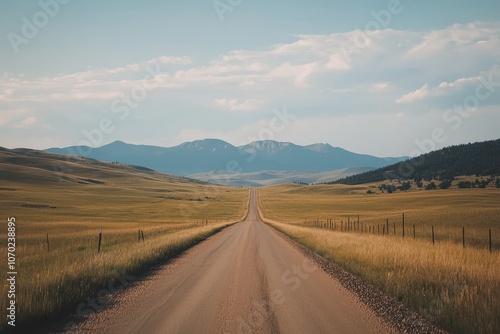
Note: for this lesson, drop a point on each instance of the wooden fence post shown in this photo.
(490, 240)
(403, 219)
(433, 234)
(463, 236)
(100, 238)
(48, 248)
(414, 236)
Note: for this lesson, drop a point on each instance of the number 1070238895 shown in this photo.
(11, 244)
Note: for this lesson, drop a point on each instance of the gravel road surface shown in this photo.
(245, 279)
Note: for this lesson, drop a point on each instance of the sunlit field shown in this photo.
(449, 211)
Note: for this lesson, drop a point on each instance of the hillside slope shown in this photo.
(467, 159)
(38, 167)
(43, 187)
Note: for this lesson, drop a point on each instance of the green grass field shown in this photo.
(70, 200)
(456, 288)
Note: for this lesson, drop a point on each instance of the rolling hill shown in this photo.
(467, 159)
(38, 167)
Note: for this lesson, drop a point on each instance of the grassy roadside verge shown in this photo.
(455, 288)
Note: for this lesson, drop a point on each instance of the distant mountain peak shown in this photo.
(206, 144)
(117, 143)
(268, 146)
(320, 147)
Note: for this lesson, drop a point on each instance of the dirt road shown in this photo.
(246, 279)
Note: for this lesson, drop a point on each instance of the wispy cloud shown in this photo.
(236, 105)
(485, 83)
(297, 65)
(380, 87)
(419, 94)
(92, 84)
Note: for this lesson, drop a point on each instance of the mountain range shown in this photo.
(258, 163)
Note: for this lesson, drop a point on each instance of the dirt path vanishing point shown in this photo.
(245, 279)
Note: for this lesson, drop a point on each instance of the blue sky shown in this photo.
(380, 77)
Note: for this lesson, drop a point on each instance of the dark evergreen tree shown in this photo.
(430, 186)
(465, 184)
(445, 184)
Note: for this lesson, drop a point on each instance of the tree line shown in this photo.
(479, 159)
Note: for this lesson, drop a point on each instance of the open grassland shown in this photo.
(72, 201)
(455, 287)
(477, 210)
(38, 195)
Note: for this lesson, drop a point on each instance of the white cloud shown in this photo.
(459, 38)
(98, 84)
(379, 87)
(485, 84)
(419, 94)
(337, 62)
(457, 84)
(136, 67)
(339, 58)
(299, 73)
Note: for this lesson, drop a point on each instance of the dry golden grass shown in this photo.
(51, 283)
(477, 210)
(130, 197)
(454, 287)
(170, 211)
